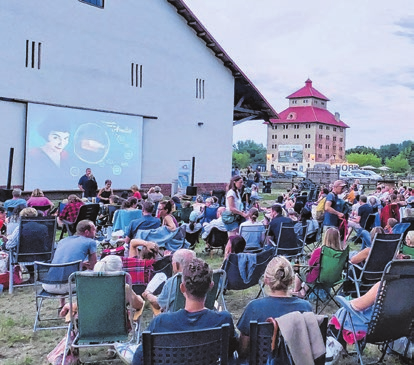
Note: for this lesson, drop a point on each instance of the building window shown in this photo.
(321, 127)
(273, 155)
(322, 102)
(327, 137)
(33, 54)
(319, 155)
(136, 75)
(334, 138)
(327, 156)
(305, 101)
(340, 148)
(334, 129)
(328, 128)
(341, 129)
(320, 145)
(320, 136)
(199, 89)
(334, 148)
(327, 147)
(341, 139)
(97, 3)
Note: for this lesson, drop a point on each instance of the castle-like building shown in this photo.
(306, 133)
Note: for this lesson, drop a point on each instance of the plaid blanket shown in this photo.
(140, 270)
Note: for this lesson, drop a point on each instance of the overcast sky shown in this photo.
(360, 54)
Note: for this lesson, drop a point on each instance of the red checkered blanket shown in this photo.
(140, 270)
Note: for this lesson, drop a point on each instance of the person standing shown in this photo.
(333, 217)
(88, 185)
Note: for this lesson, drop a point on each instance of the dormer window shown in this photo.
(291, 116)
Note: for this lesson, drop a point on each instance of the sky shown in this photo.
(360, 54)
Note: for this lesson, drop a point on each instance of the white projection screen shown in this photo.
(62, 142)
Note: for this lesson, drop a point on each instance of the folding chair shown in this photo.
(185, 214)
(122, 218)
(310, 239)
(217, 239)
(87, 211)
(332, 265)
(393, 312)
(214, 296)
(36, 243)
(193, 238)
(261, 341)
(209, 214)
(208, 346)
(141, 272)
(102, 317)
(288, 243)
(383, 250)
(401, 228)
(254, 236)
(254, 267)
(53, 274)
(369, 224)
(42, 208)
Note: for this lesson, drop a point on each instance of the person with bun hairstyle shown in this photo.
(165, 208)
(278, 279)
(254, 237)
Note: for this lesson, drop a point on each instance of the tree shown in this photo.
(362, 149)
(364, 159)
(397, 163)
(256, 152)
(241, 160)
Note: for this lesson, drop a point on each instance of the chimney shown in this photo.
(337, 116)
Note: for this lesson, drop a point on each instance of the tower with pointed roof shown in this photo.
(306, 133)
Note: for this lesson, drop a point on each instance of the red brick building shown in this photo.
(306, 133)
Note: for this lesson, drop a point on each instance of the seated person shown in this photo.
(278, 278)
(80, 246)
(255, 236)
(111, 263)
(193, 226)
(15, 201)
(199, 205)
(332, 239)
(3, 217)
(407, 249)
(38, 199)
(306, 223)
(71, 210)
(218, 223)
(390, 225)
(145, 250)
(180, 258)
(105, 192)
(361, 256)
(154, 194)
(165, 208)
(236, 244)
(135, 192)
(197, 281)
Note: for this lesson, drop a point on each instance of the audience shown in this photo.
(38, 199)
(15, 201)
(165, 208)
(71, 210)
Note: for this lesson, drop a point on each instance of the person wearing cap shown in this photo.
(154, 194)
(333, 217)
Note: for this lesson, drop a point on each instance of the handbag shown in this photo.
(228, 217)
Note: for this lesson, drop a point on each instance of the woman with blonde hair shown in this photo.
(38, 199)
(331, 239)
(278, 278)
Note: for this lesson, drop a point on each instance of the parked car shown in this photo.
(370, 174)
(294, 174)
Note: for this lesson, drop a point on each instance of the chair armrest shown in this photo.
(272, 242)
(347, 305)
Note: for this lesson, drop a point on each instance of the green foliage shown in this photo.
(256, 153)
(364, 159)
(363, 149)
(398, 163)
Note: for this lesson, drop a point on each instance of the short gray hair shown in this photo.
(183, 256)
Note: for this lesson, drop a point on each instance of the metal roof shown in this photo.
(249, 103)
(307, 91)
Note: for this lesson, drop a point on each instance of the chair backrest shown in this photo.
(217, 238)
(102, 315)
(393, 313)
(220, 195)
(369, 223)
(193, 238)
(61, 207)
(288, 243)
(201, 347)
(55, 274)
(383, 250)
(36, 239)
(42, 208)
(235, 280)
(310, 236)
(185, 214)
(210, 214)
(88, 211)
(163, 265)
(332, 264)
(261, 341)
(253, 234)
(400, 228)
(123, 217)
(219, 279)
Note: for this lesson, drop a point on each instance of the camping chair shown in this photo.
(42, 208)
(213, 296)
(369, 224)
(393, 312)
(220, 195)
(36, 243)
(261, 341)
(383, 250)
(288, 243)
(87, 211)
(216, 239)
(310, 239)
(236, 280)
(330, 278)
(401, 228)
(102, 317)
(55, 274)
(208, 346)
(122, 218)
(193, 238)
(185, 214)
(254, 236)
(209, 214)
(141, 272)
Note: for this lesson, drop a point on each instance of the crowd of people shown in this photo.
(338, 215)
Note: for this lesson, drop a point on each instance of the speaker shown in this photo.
(5, 194)
(191, 190)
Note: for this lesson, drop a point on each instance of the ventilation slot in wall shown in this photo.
(136, 75)
(200, 88)
(33, 54)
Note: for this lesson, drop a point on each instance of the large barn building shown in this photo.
(132, 89)
(306, 133)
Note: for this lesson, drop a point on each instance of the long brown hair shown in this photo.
(232, 184)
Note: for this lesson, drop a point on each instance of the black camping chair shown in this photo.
(288, 243)
(87, 211)
(393, 312)
(193, 238)
(216, 239)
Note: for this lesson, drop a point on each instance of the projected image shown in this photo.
(61, 143)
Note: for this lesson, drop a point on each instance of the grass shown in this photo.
(20, 346)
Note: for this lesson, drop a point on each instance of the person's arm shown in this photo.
(135, 243)
(152, 299)
(90, 264)
(367, 300)
(329, 209)
(360, 256)
(244, 346)
(136, 300)
(99, 194)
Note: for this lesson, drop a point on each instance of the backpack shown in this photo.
(320, 210)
